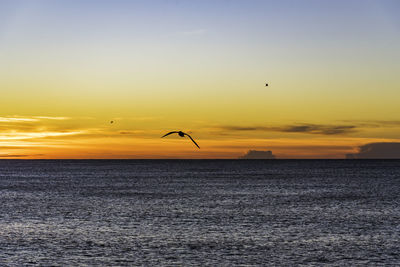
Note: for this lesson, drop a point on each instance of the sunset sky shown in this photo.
(68, 68)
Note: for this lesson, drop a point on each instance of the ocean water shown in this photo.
(199, 212)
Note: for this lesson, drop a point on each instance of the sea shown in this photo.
(199, 212)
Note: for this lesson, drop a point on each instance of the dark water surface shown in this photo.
(200, 212)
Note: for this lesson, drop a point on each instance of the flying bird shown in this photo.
(181, 134)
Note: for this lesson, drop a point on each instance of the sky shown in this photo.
(69, 67)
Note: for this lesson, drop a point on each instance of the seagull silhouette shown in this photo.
(181, 134)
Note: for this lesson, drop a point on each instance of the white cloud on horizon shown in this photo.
(30, 118)
(52, 118)
(31, 135)
(16, 119)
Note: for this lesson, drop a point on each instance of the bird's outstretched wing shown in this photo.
(169, 134)
(192, 140)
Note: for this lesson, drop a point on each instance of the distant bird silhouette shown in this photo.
(181, 134)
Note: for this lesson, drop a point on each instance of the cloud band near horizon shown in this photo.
(297, 128)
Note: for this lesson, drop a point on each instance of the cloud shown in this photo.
(143, 118)
(258, 154)
(18, 156)
(374, 123)
(36, 127)
(132, 132)
(319, 129)
(16, 119)
(297, 128)
(244, 128)
(12, 156)
(13, 147)
(52, 118)
(346, 127)
(34, 135)
(387, 150)
(196, 32)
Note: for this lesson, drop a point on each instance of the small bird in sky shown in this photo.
(181, 134)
